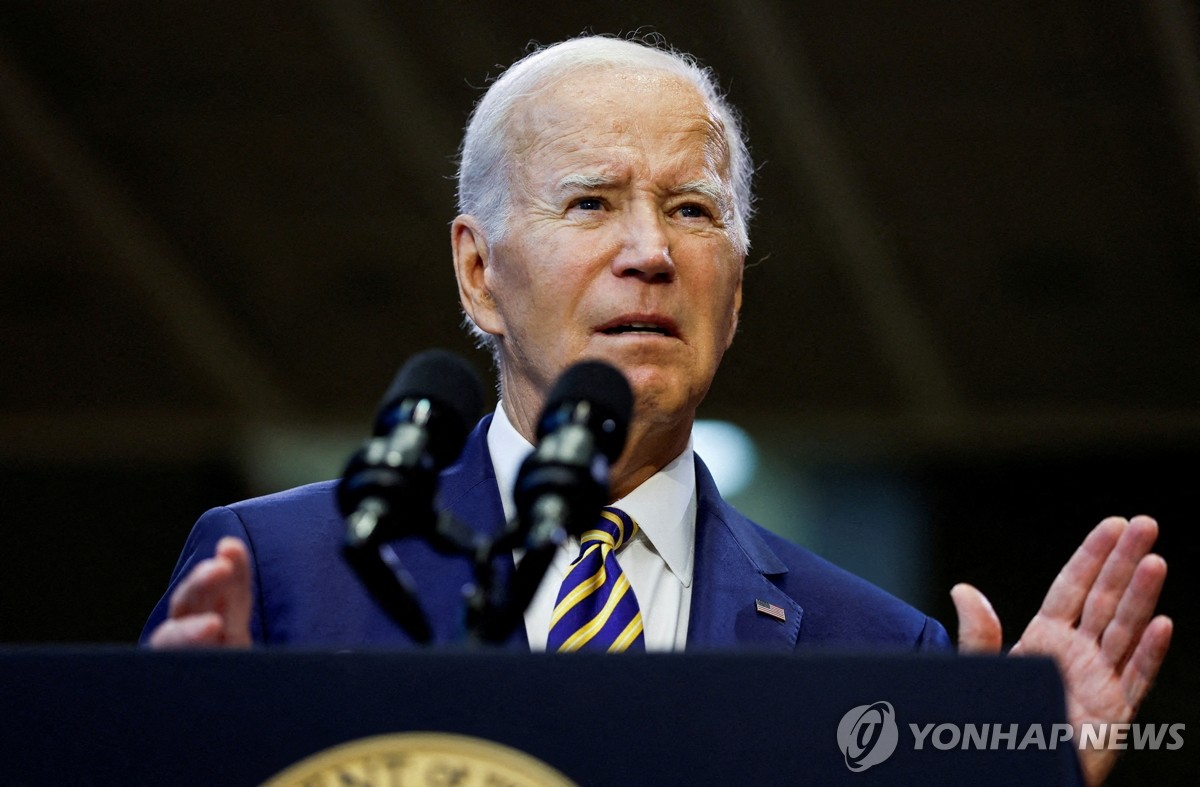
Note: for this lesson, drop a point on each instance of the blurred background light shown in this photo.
(729, 453)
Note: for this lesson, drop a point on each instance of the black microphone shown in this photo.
(387, 489)
(581, 432)
(563, 483)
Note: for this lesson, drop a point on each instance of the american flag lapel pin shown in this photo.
(770, 610)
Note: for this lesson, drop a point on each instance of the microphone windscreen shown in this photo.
(610, 398)
(441, 377)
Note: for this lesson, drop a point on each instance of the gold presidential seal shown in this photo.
(416, 759)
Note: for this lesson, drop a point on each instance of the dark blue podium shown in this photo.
(127, 716)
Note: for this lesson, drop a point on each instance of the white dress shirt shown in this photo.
(658, 561)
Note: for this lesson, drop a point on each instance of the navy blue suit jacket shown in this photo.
(306, 595)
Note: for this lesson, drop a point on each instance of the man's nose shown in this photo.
(646, 246)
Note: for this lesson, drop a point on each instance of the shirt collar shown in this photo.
(664, 505)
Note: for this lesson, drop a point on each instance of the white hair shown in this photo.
(485, 161)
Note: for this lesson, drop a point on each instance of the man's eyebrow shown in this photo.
(583, 181)
(707, 188)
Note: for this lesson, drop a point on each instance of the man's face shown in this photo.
(618, 246)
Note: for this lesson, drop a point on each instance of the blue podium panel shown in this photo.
(139, 717)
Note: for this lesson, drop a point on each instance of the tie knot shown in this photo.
(614, 529)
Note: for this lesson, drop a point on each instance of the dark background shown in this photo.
(975, 269)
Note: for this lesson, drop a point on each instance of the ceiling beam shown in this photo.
(1173, 27)
(816, 152)
(138, 254)
(390, 75)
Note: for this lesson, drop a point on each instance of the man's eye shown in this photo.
(693, 211)
(589, 203)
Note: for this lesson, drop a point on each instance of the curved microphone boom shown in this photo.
(563, 484)
(388, 487)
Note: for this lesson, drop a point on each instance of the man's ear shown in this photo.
(471, 260)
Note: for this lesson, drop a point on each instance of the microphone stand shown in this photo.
(505, 610)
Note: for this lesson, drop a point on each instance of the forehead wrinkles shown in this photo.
(621, 117)
(716, 149)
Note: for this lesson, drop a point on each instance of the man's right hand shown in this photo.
(211, 606)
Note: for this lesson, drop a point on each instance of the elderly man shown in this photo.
(604, 194)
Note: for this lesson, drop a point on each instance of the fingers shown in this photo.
(211, 605)
(1065, 599)
(978, 626)
(188, 632)
(239, 601)
(1135, 609)
(209, 585)
(1142, 668)
(1135, 681)
(1112, 586)
(233, 550)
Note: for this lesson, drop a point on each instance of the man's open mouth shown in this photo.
(637, 327)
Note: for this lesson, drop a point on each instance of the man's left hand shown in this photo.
(1097, 621)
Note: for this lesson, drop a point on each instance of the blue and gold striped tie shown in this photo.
(596, 608)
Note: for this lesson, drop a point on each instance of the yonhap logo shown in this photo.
(868, 735)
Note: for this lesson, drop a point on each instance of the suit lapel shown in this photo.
(734, 567)
(468, 491)
(733, 570)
